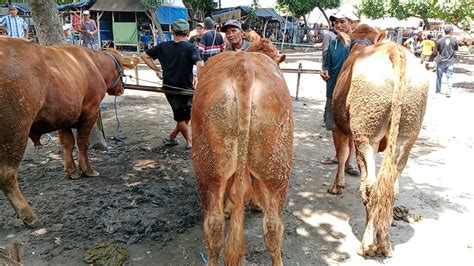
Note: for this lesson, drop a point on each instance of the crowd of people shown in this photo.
(181, 59)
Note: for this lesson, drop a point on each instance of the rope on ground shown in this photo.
(189, 91)
(117, 136)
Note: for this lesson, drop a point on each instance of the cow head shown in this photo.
(120, 62)
(363, 35)
(265, 46)
(253, 36)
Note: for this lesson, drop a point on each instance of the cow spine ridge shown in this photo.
(383, 195)
(243, 84)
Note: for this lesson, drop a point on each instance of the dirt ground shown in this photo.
(145, 198)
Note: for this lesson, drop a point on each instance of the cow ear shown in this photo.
(380, 37)
(281, 58)
(344, 38)
(129, 61)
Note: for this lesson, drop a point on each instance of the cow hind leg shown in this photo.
(83, 136)
(341, 143)
(272, 203)
(212, 195)
(366, 155)
(66, 138)
(234, 251)
(9, 185)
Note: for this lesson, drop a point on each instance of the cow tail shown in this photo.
(382, 195)
(243, 83)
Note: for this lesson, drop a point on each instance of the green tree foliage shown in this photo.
(198, 8)
(253, 9)
(456, 12)
(151, 4)
(300, 8)
(459, 13)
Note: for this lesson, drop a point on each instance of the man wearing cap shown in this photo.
(446, 48)
(177, 59)
(15, 25)
(234, 35)
(336, 55)
(212, 42)
(196, 39)
(88, 29)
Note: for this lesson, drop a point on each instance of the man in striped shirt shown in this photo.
(212, 41)
(16, 27)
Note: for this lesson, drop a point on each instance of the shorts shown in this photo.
(425, 58)
(181, 106)
(328, 119)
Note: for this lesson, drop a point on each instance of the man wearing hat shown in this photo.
(15, 25)
(177, 58)
(336, 55)
(234, 35)
(446, 48)
(88, 29)
(196, 39)
(212, 42)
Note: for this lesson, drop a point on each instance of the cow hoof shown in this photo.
(29, 218)
(73, 176)
(372, 250)
(90, 173)
(336, 189)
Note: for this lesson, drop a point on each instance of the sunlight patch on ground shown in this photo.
(144, 164)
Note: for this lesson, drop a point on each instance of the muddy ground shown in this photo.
(145, 198)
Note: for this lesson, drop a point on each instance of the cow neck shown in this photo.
(119, 70)
(357, 40)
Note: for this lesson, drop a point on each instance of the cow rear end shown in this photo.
(242, 133)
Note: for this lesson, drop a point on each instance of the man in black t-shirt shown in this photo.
(446, 48)
(177, 59)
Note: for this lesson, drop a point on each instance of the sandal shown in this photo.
(170, 142)
(328, 160)
(352, 171)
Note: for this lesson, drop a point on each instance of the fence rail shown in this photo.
(300, 70)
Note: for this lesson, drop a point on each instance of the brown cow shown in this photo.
(379, 100)
(242, 138)
(252, 36)
(43, 89)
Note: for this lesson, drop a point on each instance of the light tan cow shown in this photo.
(379, 100)
(242, 124)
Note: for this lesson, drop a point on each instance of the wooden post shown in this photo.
(284, 33)
(99, 15)
(300, 68)
(136, 75)
(113, 20)
(265, 29)
(138, 34)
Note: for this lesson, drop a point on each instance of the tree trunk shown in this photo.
(191, 12)
(325, 16)
(49, 30)
(152, 15)
(427, 24)
(47, 22)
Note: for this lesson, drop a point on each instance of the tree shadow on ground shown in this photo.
(465, 86)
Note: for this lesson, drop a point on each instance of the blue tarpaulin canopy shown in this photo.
(244, 9)
(75, 5)
(23, 7)
(168, 14)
